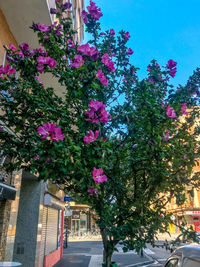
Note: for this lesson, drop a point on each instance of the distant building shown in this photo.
(189, 212)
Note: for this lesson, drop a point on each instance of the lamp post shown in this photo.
(66, 232)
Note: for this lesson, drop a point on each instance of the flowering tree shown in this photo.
(122, 145)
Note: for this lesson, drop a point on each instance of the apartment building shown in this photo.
(31, 211)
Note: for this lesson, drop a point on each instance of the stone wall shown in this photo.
(5, 206)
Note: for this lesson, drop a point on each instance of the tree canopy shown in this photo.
(122, 145)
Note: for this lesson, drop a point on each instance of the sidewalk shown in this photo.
(89, 254)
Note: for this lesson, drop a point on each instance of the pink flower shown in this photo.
(172, 72)
(183, 109)
(51, 62)
(112, 32)
(171, 64)
(92, 191)
(84, 16)
(149, 67)
(127, 36)
(97, 112)
(104, 81)
(151, 80)
(57, 135)
(36, 157)
(87, 50)
(43, 27)
(105, 59)
(42, 60)
(7, 70)
(46, 129)
(98, 177)
(40, 68)
(77, 62)
(102, 78)
(24, 46)
(96, 105)
(91, 137)
(49, 129)
(94, 11)
(12, 47)
(20, 54)
(108, 62)
(170, 112)
(130, 51)
(166, 136)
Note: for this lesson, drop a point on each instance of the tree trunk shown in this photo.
(108, 249)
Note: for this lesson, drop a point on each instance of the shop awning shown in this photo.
(7, 191)
(53, 202)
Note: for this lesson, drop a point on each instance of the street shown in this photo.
(89, 254)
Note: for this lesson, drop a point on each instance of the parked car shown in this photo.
(182, 240)
(186, 256)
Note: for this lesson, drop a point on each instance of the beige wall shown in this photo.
(6, 36)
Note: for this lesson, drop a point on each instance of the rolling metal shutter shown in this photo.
(51, 231)
(43, 239)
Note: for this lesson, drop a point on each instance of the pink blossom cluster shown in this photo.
(93, 10)
(45, 61)
(127, 36)
(183, 109)
(50, 129)
(92, 191)
(89, 51)
(108, 62)
(77, 61)
(149, 66)
(129, 51)
(7, 70)
(112, 32)
(97, 112)
(171, 66)
(42, 27)
(13, 48)
(91, 136)
(98, 176)
(170, 112)
(102, 77)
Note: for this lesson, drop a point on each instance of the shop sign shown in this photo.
(7, 191)
(67, 198)
(76, 215)
(68, 212)
(191, 213)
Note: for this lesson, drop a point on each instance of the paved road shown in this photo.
(89, 254)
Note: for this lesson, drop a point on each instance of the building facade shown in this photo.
(31, 211)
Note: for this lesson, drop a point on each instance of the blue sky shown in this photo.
(159, 29)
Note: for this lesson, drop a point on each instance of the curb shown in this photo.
(140, 264)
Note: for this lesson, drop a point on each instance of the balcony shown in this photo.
(21, 14)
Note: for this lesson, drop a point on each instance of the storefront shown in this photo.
(191, 217)
(81, 220)
(52, 231)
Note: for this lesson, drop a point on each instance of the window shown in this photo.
(190, 263)
(172, 263)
